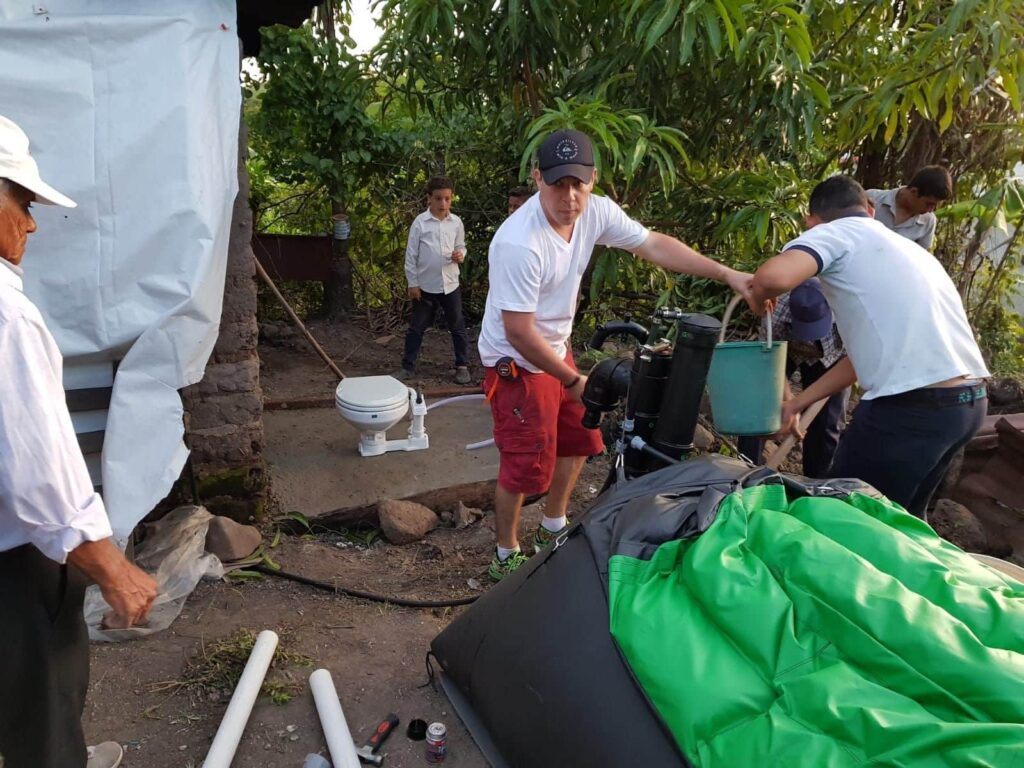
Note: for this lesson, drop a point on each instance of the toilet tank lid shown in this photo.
(371, 391)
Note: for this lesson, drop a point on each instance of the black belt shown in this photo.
(941, 396)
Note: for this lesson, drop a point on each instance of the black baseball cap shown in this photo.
(566, 153)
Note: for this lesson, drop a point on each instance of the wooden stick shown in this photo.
(779, 454)
(295, 319)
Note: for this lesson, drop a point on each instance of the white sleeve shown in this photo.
(45, 490)
(412, 254)
(515, 275)
(827, 245)
(617, 229)
(460, 237)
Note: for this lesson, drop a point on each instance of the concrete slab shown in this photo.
(315, 466)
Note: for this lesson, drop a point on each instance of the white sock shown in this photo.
(554, 524)
(503, 553)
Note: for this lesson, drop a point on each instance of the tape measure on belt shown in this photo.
(505, 368)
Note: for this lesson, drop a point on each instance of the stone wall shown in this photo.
(224, 412)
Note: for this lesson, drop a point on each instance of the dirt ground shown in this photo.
(375, 652)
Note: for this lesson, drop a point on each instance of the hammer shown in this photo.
(368, 752)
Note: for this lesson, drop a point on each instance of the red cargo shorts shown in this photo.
(535, 421)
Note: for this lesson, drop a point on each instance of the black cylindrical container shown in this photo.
(646, 390)
(696, 336)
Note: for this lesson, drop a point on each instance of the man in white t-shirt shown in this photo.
(908, 340)
(536, 260)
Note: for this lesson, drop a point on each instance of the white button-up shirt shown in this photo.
(428, 255)
(46, 496)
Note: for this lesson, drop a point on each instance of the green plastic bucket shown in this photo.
(745, 382)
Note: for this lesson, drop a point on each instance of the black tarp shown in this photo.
(538, 677)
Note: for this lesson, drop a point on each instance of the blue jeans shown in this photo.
(903, 444)
(423, 313)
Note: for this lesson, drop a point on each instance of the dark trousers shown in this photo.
(423, 312)
(44, 661)
(822, 438)
(903, 444)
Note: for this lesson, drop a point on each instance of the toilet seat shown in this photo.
(371, 393)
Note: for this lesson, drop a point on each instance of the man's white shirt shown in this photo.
(46, 496)
(428, 253)
(533, 269)
(898, 313)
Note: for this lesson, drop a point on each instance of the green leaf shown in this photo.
(818, 91)
(712, 29)
(1010, 84)
(661, 24)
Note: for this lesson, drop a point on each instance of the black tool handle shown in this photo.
(380, 735)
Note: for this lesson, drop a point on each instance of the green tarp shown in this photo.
(824, 632)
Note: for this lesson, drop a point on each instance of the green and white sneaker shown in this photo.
(543, 536)
(501, 568)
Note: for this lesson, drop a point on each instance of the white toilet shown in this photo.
(374, 404)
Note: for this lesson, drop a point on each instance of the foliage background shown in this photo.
(714, 119)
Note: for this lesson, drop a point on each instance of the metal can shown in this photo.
(437, 742)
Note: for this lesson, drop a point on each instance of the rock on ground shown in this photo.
(404, 522)
(464, 516)
(229, 540)
(957, 524)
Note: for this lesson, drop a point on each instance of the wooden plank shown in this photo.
(91, 399)
(299, 403)
(90, 442)
(294, 257)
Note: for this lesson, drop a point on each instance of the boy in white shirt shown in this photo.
(537, 259)
(436, 248)
(909, 344)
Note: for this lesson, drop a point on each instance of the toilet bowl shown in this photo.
(374, 404)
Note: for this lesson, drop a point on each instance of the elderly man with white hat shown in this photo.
(54, 531)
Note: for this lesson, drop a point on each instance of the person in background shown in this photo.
(910, 210)
(436, 248)
(909, 343)
(517, 196)
(803, 318)
(54, 531)
(536, 262)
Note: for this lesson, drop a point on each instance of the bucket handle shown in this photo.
(728, 316)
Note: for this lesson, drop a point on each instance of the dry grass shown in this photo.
(213, 672)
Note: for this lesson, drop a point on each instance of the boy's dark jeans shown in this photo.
(423, 312)
(903, 444)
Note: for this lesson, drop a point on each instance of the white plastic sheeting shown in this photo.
(174, 552)
(132, 109)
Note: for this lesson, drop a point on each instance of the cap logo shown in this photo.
(566, 150)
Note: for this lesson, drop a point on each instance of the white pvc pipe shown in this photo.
(339, 738)
(481, 444)
(225, 742)
(456, 399)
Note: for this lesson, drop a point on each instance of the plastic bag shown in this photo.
(174, 553)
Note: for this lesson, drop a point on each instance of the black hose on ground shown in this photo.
(400, 601)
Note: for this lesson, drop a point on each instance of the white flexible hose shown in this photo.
(464, 399)
(456, 399)
(225, 742)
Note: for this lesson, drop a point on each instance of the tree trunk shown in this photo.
(339, 297)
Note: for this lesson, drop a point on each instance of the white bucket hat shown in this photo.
(17, 165)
